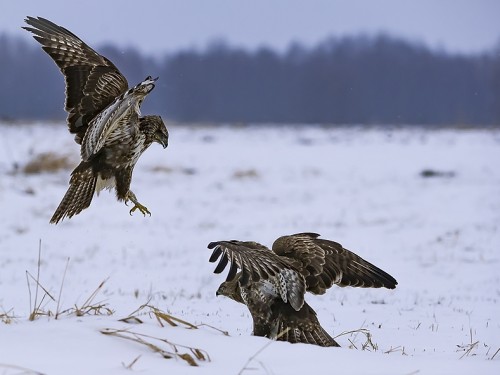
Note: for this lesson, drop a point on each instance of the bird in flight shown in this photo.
(272, 283)
(104, 114)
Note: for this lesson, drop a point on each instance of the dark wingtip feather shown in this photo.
(44, 25)
(29, 20)
(211, 245)
(380, 277)
(215, 254)
(40, 23)
(222, 264)
(390, 282)
(232, 271)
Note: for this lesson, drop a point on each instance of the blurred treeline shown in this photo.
(353, 80)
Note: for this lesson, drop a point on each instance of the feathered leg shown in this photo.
(123, 178)
(260, 311)
(79, 195)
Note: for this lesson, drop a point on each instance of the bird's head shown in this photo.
(230, 289)
(155, 130)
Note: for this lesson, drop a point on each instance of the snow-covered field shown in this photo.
(438, 236)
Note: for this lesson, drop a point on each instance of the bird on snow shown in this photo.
(273, 283)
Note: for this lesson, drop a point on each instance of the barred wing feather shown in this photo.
(92, 81)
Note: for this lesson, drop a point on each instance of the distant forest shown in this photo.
(352, 80)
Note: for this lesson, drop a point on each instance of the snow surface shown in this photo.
(439, 237)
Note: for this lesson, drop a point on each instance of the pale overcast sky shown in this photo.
(157, 26)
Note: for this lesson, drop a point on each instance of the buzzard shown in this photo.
(272, 283)
(104, 114)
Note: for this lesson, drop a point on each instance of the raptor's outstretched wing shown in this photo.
(253, 259)
(257, 263)
(92, 81)
(324, 263)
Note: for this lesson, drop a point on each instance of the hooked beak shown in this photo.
(218, 292)
(163, 141)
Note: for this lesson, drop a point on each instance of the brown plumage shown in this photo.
(103, 114)
(272, 283)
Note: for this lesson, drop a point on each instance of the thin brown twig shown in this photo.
(172, 320)
(38, 269)
(37, 306)
(24, 370)
(469, 347)
(87, 306)
(60, 290)
(199, 354)
(163, 316)
(129, 366)
(498, 350)
(140, 308)
(37, 282)
(95, 292)
(356, 332)
(225, 333)
(251, 358)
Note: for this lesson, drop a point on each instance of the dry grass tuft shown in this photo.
(171, 320)
(37, 310)
(161, 317)
(468, 348)
(162, 169)
(191, 355)
(396, 350)
(47, 162)
(188, 171)
(7, 317)
(187, 353)
(163, 346)
(368, 344)
(245, 174)
(89, 307)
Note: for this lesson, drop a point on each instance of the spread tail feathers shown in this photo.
(300, 327)
(78, 196)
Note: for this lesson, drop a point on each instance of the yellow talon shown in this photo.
(131, 196)
(141, 208)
